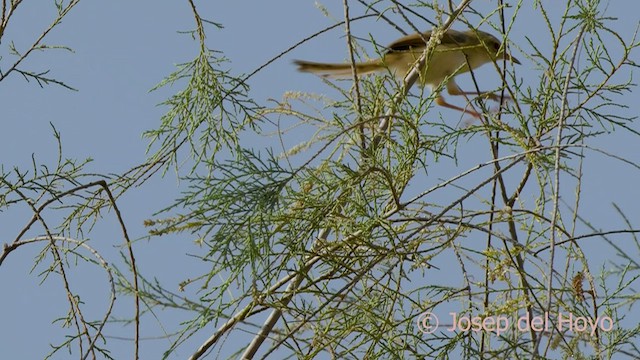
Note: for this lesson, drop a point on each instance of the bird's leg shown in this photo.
(488, 95)
(442, 102)
(454, 89)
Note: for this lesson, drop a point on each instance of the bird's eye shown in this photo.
(496, 46)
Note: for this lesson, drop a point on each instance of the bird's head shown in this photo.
(491, 47)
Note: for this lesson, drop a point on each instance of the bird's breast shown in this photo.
(442, 64)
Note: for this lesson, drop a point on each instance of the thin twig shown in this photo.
(103, 264)
(37, 217)
(414, 73)
(36, 43)
(354, 71)
(556, 188)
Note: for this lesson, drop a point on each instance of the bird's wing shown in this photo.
(451, 38)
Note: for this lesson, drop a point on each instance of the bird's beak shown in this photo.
(502, 54)
(512, 59)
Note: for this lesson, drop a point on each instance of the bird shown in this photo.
(456, 53)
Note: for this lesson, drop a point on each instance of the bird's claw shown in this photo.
(497, 98)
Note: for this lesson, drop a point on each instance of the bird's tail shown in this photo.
(339, 70)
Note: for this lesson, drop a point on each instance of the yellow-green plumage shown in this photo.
(457, 52)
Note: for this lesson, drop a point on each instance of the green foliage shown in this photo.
(368, 212)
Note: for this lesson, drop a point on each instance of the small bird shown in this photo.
(457, 52)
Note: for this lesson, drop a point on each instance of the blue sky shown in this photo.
(123, 49)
